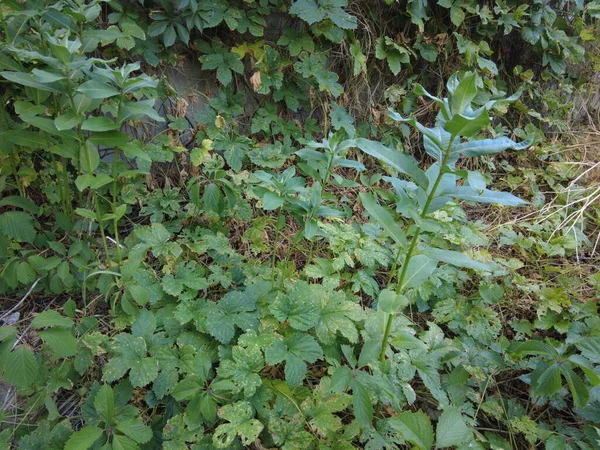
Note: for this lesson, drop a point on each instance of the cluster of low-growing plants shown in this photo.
(369, 237)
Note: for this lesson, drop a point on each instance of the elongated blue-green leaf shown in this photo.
(419, 269)
(455, 258)
(461, 125)
(490, 146)
(383, 218)
(400, 161)
(26, 79)
(501, 198)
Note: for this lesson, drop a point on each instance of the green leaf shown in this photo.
(242, 424)
(548, 383)
(104, 403)
(383, 218)
(467, 126)
(308, 10)
(389, 302)
(61, 341)
(502, 198)
(26, 79)
(361, 402)
(213, 198)
(22, 368)
(97, 90)
(84, 438)
(490, 146)
(415, 428)
(579, 391)
(30, 139)
(451, 429)
(419, 269)
(463, 95)
(131, 110)
(399, 161)
(109, 138)
(455, 258)
(101, 123)
(297, 307)
(135, 429)
(272, 201)
(92, 181)
(68, 121)
(17, 225)
(295, 351)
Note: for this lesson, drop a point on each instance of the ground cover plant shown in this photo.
(379, 231)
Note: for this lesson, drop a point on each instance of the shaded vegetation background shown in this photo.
(196, 269)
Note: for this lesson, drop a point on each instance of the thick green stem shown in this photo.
(413, 246)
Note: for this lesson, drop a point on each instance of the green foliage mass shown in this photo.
(313, 270)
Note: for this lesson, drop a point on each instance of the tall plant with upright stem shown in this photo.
(420, 193)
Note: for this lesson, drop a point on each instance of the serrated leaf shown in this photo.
(361, 402)
(135, 429)
(61, 341)
(51, 319)
(18, 225)
(22, 368)
(84, 438)
(415, 428)
(451, 429)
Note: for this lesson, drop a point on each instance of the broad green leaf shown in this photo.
(109, 138)
(17, 225)
(361, 402)
(61, 341)
(131, 110)
(97, 90)
(135, 429)
(308, 10)
(548, 382)
(104, 403)
(534, 348)
(419, 269)
(390, 302)
(579, 391)
(451, 429)
(416, 428)
(455, 258)
(101, 123)
(30, 139)
(84, 438)
(27, 79)
(22, 368)
(467, 126)
(462, 96)
(272, 201)
(397, 160)
(297, 307)
(92, 181)
(68, 121)
(383, 218)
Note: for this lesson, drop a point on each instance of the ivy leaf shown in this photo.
(241, 423)
(296, 351)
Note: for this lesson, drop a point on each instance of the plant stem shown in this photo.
(413, 246)
(276, 244)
